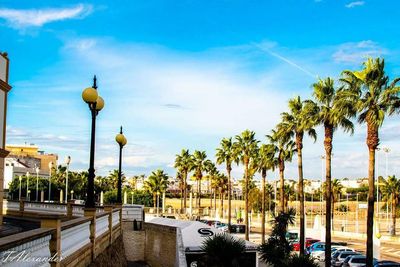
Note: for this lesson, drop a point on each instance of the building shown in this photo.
(26, 158)
(4, 89)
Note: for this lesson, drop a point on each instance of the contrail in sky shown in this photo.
(286, 60)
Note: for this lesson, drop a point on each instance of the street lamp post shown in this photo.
(158, 195)
(27, 184)
(50, 168)
(121, 140)
(386, 150)
(67, 161)
(72, 194)
(37, 183)
(95, 103)
(20, 185)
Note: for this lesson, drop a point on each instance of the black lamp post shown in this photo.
(96, 103)
(121, 140)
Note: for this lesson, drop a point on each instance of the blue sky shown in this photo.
(185, 74)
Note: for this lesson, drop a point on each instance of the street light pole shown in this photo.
(95, 103)
(67, 161)
(121, 140)
(27, 184)
(37, 183)
(387, 150)
(20, 185)
(50, 168)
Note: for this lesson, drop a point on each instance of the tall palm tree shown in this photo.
(212, 175)
(156, 183)
(227, 154)
(246, 146)
(334, 112)
(374, 97)
(265, 161)
(285, 148)
(179, 178)
(200, 164)
(300, 119)
(391, 191)
(184, 164)
(221, 183)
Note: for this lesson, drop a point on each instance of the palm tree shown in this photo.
(221, 183)
(156, 183)
(374, 97)
(265, 161)
(184, 164)
(200, 164)
(336, 188)
(300, 119)
(391, 190)
(287, 192)
(285, 148)
(334, 112)
(179, 178)
(246, 146)
(226, 153)
(223, 250)
(212, 175)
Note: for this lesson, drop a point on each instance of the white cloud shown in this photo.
(355, 4)
(23, 18)
(357, 52)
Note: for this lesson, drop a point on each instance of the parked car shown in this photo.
(387, 264)
(338, 257)
(321, 256)
(318, 246)
(238, 228)
(292, 236)
(356, 261)
(309, 241)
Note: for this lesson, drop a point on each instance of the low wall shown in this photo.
(160, 245)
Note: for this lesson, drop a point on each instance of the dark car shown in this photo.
(238, 228)
(387, 264)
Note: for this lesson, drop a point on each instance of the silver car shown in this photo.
(356, 261)
(339, 256)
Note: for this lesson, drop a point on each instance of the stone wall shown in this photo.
(113, 256)
(160, 245)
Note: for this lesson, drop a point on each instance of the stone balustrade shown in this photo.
(75, 242)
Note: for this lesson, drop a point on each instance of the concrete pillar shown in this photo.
(61, 196)
(91, 213)
(109, 209)
(53, 221)
(69, 208)
(101, 198)
(42, 196)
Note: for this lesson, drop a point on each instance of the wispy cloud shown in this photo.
(355, 4)
(24, 18)
(356, 52)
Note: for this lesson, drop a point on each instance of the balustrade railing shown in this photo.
(70, 242)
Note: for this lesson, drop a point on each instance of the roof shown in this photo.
(194, 233)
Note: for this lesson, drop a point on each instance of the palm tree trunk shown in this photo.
(246, 197)
(199, 196)
(282, 183)
(221, 209)
(215, 202)
(328, 193)
(154, 200)
(263, 174)
(181, 198)
(393, 214)
(229, 197)
(372, 143)
(299, 140)
(210, 192)
(184, 190)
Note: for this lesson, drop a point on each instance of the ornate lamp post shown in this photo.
(67, 161)
(50, 168)
(95, 103)
(27, 184)
(121, 140)
(37, 183)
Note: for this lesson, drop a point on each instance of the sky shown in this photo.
(185, 74)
